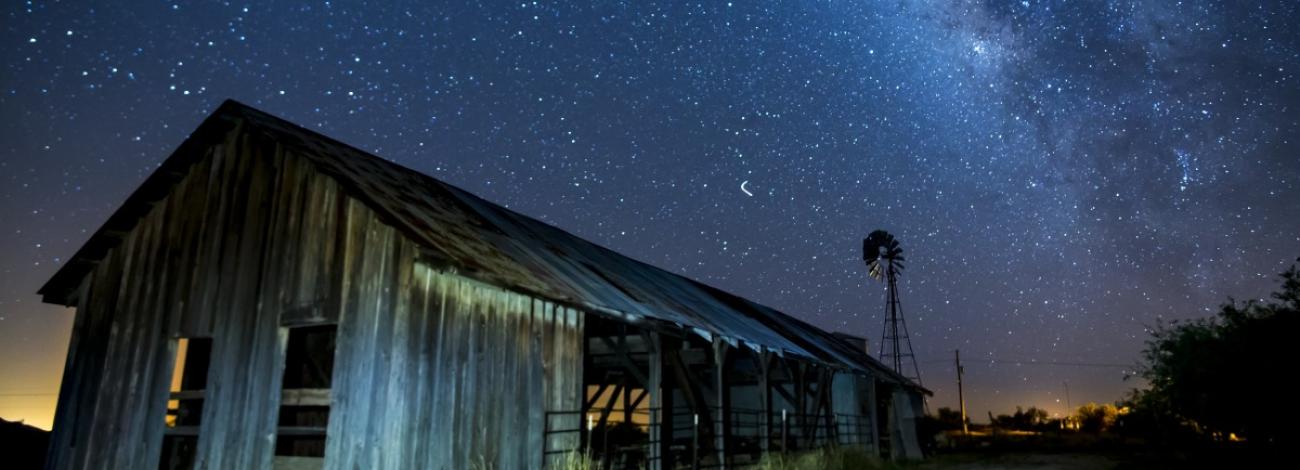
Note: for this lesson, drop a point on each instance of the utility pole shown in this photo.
(1068, 409)
(961, 397)
(1069, 412)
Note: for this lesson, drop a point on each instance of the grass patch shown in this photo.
(830, 458)
(578, 461)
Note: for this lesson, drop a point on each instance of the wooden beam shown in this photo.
(664, 397)
(828, 379)
(627, 403)
(800, 397)
(811, 426)
(304, 397)
(621, 351)
(591, 401)
(655, 392)
(609, 406)
(873, 416)
(765, 394)
(181, 431)
(690, 386)
(640, 397)
(300, 430)
(780, 390)
(722, 431)
(186, 395)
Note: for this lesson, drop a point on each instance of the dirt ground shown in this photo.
(1016, 461)
(1111, 459)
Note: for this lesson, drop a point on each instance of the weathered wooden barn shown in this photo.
(273, 298)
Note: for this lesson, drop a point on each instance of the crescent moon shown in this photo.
(743, 190)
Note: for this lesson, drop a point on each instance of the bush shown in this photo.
(1221, 376)
(1096, 418)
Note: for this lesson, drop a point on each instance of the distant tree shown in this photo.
(930, 426)
(948, 419)
(1033, 417)
(1096, 418)
(1024, 419)
(21, 445)
(1227, 375)
(1151, 416)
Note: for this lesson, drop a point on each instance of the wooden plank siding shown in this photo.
(432, 369)
(460, 324)
(457, 375)
(190, 268)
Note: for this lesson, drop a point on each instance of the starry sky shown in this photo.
(1062, 175)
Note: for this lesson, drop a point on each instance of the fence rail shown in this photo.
(620, 445)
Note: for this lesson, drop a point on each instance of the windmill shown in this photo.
(884, 260)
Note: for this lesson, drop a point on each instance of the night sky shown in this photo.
(1061, 175)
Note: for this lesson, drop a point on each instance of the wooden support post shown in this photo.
(722, 428)
(688, 384)
(655, 390)
(627, 402)
(664, 397)
(800, 397)
(785, 432)
(832, 433)
(874, 416)
(695, 441)
(591, 401)
(819, 405)
(832, 427)
(609, 405)
(765, 394)
(810, 427)
(602, 425)
(690, 387)
(620, 352)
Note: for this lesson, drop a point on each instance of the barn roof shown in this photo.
(489, 242)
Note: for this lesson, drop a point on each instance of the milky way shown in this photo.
(1062, 175)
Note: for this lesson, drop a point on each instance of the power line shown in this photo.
(1061, 363)
(1034, 362)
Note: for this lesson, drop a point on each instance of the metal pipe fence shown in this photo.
(617, 444)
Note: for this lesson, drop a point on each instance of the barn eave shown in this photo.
(524, 255)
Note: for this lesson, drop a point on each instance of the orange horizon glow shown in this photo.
(33, 353)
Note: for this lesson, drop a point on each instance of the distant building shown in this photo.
(273, 298)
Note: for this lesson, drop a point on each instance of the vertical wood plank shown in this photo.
(432, 369)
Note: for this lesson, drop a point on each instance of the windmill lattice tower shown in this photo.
(884, 260)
